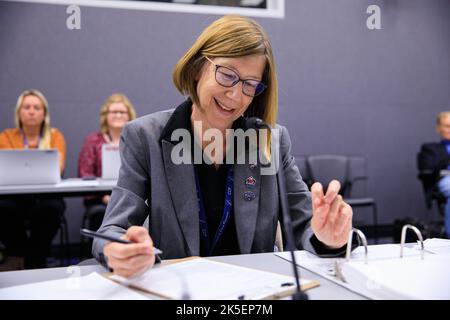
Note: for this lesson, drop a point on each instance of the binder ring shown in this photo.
(362, 238)
(403, 238)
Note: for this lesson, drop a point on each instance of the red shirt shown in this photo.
(90, 159)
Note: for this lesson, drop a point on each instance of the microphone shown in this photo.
(256, 123)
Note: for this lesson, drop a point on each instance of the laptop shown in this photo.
(110, 162)
(29, 166)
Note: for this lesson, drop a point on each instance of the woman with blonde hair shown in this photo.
(33, 131)
(114, 114)
(209, 207)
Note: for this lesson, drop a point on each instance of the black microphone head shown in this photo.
(254, 123)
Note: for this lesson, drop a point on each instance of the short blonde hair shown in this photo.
(115, 98)
(441, 116)
(45, 140)
(231, 36)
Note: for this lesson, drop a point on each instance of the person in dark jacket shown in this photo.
(435, 157)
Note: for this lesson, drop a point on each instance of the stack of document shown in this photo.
(200, 278)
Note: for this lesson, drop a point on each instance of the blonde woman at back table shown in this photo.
(43, 214)
(114, 114)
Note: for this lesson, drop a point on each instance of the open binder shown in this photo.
(388, 271)
(420, 276)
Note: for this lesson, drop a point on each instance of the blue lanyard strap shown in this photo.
(25, 140)
(227, 211)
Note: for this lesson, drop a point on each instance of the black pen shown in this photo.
(93, 234)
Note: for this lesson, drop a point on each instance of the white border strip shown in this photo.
(275, 8)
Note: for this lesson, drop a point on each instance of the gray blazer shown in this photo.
(151, 186)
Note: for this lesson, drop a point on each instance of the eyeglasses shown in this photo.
(118, 113)
(229, 78)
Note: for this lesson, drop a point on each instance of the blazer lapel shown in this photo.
(246, 203)
(182, 187)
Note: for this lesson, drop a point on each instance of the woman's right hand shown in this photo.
(129, 259)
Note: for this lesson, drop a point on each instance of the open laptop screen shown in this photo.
(29, 166)
(110, 162)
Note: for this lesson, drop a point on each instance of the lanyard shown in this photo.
(227, 210)
(25, 140)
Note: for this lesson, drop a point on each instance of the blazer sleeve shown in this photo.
(433, 156)
(59, 143)
(127, 205)
(300, 204)
(5, 141)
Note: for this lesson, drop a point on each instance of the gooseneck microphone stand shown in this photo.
(257, 123)
(290, 242)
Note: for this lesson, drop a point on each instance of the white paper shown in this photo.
(206, 279)
(89, 287)
(437, 246)
(406, 278)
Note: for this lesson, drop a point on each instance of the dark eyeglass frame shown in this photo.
(118, 112)
(245, 82)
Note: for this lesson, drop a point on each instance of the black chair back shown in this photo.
(429, 179)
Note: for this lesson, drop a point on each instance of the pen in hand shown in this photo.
(93, 234)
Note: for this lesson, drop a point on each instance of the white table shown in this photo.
(327, 289)
(73, 187)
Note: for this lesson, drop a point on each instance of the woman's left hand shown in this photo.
(105, 199)
(332, 217)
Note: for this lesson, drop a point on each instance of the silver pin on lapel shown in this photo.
(249, 196)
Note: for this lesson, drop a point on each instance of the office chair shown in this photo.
(346, 170)
(91, 213)
(64, 251)
(429, 179)
(302, 166)
(64, 241)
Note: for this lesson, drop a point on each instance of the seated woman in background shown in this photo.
(115, 112)
(41, 215)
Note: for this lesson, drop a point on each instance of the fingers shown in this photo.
(344, 222)
(325, 216)
(316, 194)
(137, 268)
(133, 264)
(138, 234)
(331, 223)
(332, 191)
(320, 208)
(334, 209)
(124, 251)
(128, 259)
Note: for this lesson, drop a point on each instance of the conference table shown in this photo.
(73, 187)
(327, 290)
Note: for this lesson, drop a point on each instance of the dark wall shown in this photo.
(343, 88)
